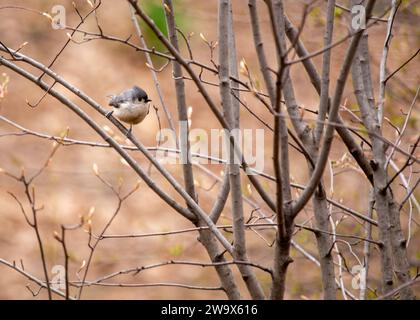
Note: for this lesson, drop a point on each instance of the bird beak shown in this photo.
(111, 100)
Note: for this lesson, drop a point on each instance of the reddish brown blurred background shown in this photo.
(68, 188)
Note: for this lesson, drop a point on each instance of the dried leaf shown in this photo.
(189, 112)
(168, 10)
(91, 212)
(124, 162)
(22, 45)
(46, 14)
(203, 38)
(82, 266)
(249, 189)
(56, 236)
(243, 68)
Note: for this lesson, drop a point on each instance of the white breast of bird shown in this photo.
(132, 113)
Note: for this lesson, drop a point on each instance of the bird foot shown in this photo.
(109, 114)
(129, 131)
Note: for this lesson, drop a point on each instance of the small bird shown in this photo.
(130, 106)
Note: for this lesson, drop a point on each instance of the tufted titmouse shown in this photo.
(130, 106)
